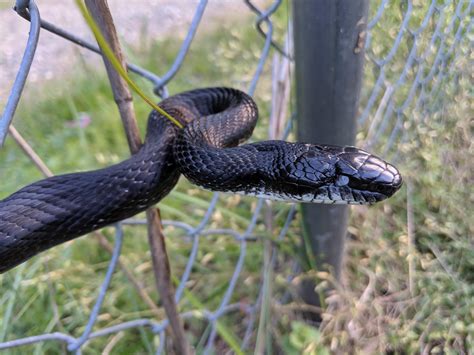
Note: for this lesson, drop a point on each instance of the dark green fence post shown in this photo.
(329, 38)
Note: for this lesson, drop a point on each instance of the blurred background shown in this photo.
(406, 281)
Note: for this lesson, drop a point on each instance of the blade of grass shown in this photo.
(177, 214)
(116, 64)
(263, 334)
(205, 204)
(11, 302)
(225, 333)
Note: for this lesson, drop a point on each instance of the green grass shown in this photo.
(397, 295)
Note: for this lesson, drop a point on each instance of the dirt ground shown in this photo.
(136, 21)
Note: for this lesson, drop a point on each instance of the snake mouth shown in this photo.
(367, 176)
(336, 175)
(344, 190)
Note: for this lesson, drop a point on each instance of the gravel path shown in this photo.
(55, 56)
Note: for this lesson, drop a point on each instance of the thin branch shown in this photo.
(411, 238)
(122, 95)
(264, 324)
(29, 151)
(163, 279)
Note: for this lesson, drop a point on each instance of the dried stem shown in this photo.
(264, 323)
(102, 16)
(411, 239)
(163, 279)
(280, 92)
(29, 151)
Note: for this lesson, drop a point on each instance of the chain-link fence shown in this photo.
(426, 38)
(427, 41)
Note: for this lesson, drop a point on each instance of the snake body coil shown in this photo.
(206, 151)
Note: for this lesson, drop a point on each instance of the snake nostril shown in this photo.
(397, 181)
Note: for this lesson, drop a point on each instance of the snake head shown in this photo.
(368, 177)
(339, 175)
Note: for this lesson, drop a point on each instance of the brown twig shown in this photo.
(411, 239)
(280, 92)
(102, 16)
(264, 323)
(111, 344)
(29, 151)
(160, 260)
(122, 96)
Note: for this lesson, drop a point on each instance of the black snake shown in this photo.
(57, 209)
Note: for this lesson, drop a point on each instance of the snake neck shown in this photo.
(247, 169)
(206, 150)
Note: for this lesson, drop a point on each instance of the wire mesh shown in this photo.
(428, 39)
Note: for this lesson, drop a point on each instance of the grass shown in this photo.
(4, 4)
(402, 292)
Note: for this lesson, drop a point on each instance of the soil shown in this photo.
(137, 22)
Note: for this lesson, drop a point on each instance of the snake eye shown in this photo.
(342, 180)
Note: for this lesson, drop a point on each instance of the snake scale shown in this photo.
(207, 151)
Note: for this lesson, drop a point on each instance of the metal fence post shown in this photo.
(329, 53)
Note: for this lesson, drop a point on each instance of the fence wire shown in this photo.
(428, 41)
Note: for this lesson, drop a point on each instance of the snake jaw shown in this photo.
(368, 175)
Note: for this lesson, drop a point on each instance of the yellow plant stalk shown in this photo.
(107, 51)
